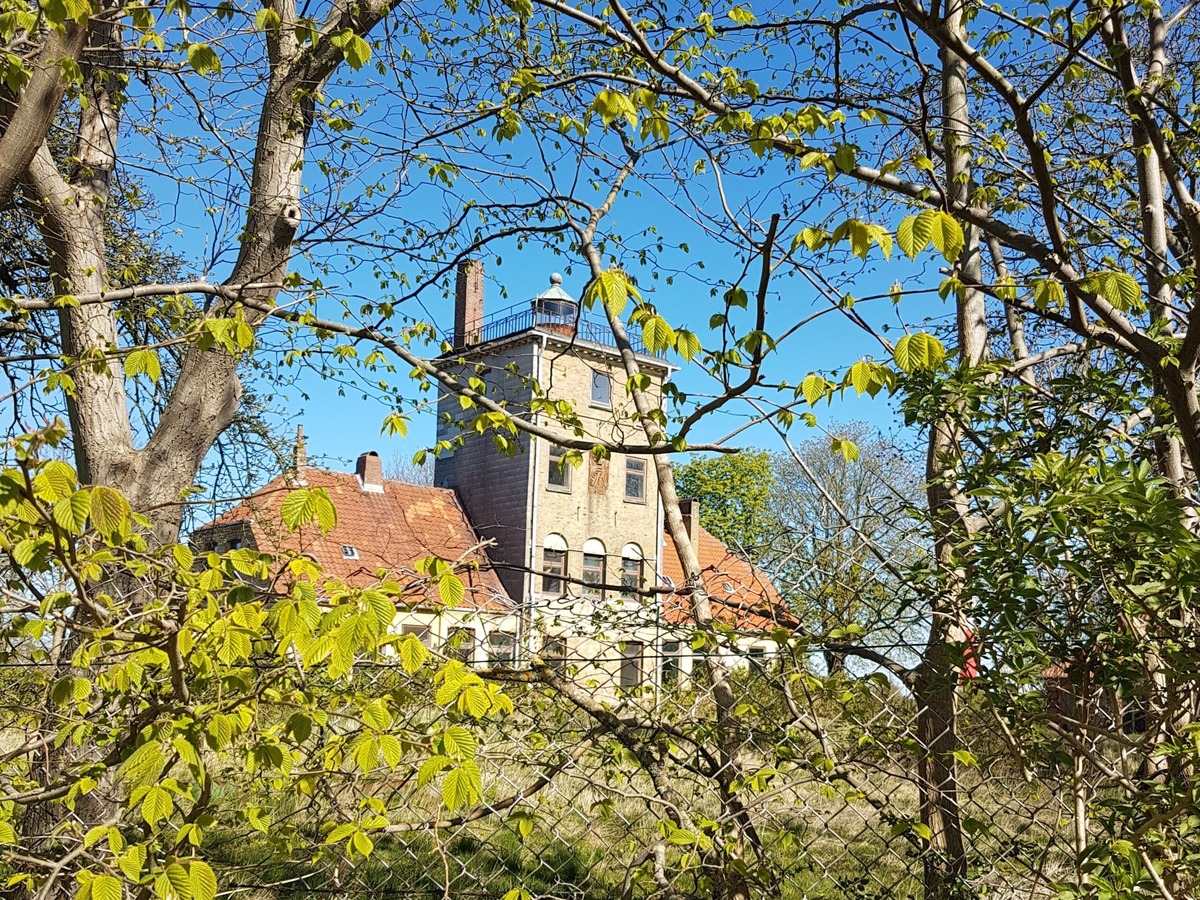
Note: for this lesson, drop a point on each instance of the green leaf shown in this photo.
(156, 805)
(844, 157)
(305, 505)
(266, 20)
(143, 362)
(814, 388)
(257, 819)
(202, 880)
(451, 589)
(55, 481)
(919, 352)
(687, 344)
(1122, 290)
(847, 448)
(395, 424)
(463, 786)
(110, 510)
(355, 50)
(613, 105)
(431, 768)
(203, 59)
(132, 861)
(657, 335)
(391, 748)
(341, 832)
(412, 653)
(362, 844)
(612, 288)
(71, 513)
(108, 887)
(861, 376)
(681, 837)
(459, 743)
(947, 236)
(1048, 294)
(913, 234)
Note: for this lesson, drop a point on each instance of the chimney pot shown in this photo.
(690, 510)
(468, 303)
(369, 470)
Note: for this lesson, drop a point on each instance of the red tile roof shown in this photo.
(741, 595)
(391, 530)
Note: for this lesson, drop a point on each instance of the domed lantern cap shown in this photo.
(555, 301)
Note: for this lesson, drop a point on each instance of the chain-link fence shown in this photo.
(619, 776)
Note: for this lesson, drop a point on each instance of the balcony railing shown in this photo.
(577, 324)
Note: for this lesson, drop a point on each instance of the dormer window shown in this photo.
(349, 552)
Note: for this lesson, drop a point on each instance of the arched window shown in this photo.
(593, 568)
(631, 571)
(554, 564)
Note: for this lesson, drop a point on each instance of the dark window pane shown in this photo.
(554, 567)
(560, 471)
(502, 648)
(631, 665)
(593, 574)
(631, 577)
(601, 389)
(670, 663)
(554, 652)
(635, 480)
(460, 645)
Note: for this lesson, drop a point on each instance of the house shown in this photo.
(569, 562)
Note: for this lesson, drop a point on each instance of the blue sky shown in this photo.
(340, 422)
(340, 426)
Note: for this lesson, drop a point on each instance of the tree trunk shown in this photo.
(935, 685)
(835, 662)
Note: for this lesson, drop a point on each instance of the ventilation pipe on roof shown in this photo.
(690, 511)
(468, 303)
(369, 470)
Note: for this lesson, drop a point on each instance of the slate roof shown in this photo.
(391, 530)
(741, 595)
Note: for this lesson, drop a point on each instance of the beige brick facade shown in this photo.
(510, 498)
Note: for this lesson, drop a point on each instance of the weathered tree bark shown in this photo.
(203, 400)
(935, 683)
(25, 118)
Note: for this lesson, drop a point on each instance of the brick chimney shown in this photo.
(299, 456)
(369, 470)
(690, 510)
(468, 303)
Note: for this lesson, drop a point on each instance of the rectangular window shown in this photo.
(554, 567)
(635, 480)
(631, 665)
(601, 389)
(670, 663)
(460, 645)
(593, 575)
(631, 578)
(502, 649)
(559, 478)
(424, 635)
